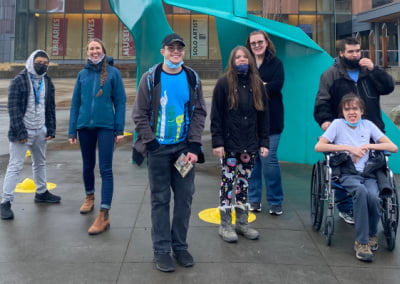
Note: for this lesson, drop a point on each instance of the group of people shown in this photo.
(97, 119)
(169, 112)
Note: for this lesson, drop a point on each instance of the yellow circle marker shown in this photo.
(211, 215)
(28, 186)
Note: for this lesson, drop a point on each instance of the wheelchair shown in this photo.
(322, 193)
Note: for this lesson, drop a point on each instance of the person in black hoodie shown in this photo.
(239, 128)
(271, 72)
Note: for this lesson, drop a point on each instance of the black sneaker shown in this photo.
(6, 212)
(164, 262)
(184, 258)
(255, 207)
(276, 210)
(47, 197)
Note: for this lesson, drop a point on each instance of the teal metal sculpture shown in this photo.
(304, 61)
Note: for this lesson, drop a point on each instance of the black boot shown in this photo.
(6, 212)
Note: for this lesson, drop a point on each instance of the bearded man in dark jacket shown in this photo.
(351, 74)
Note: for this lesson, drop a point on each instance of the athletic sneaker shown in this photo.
(255, 207)
(276, 210)
(347, 217)
(363, 252)
(373, 243)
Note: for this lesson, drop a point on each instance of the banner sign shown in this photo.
(93, 28)
(58, 36)
(128, 46)
(199, 35)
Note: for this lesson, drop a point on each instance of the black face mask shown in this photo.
(351, 64)
(40, 68)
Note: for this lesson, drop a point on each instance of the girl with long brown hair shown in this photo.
(239, 128)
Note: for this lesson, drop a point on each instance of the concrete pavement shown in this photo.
(50, 244)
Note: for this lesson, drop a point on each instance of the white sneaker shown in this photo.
(347, 217)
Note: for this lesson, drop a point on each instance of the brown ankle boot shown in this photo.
(101, 223)
(88, 204)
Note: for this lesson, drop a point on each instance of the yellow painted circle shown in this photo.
(211, 215)
(28, 186)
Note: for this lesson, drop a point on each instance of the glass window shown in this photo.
(74, 6)
(255, 7)
(343, 6)
(106, 7)
(307, 5)
(92, 5)
(110, 34)
(38, 5)
(325, 6)
(73, 43)
(55, 6)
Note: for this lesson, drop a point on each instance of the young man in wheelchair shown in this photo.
(352, 134)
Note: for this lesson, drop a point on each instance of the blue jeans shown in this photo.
(269, 168)
(366, 205)
(347, 204)
(163, 177)
(103, 139)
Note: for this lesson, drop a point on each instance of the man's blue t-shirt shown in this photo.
(173, 119)
(354, 74)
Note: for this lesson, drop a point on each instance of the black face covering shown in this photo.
(40, 68)
(351, 64)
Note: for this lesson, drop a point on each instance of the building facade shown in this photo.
(63, 27)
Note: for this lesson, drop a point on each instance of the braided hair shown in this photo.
(103, 76)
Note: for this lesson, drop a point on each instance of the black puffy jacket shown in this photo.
(238, 130)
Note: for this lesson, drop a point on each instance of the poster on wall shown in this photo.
(93, 28)
(58, 36)
(199, 35)
(127, 44)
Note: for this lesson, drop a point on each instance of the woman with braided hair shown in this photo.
(97, 118)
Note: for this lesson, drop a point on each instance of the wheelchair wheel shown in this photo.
(328, 230)
(390, 219)
(317, 202)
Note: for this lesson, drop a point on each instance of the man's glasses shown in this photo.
(255, 43)
(172, 48)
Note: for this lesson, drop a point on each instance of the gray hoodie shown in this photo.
(35, 113)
